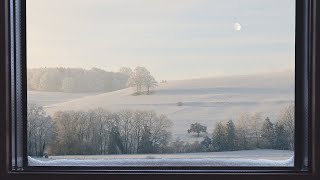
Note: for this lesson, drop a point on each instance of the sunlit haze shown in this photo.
(174, 39)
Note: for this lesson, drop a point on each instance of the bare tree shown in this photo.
(140, 78)
(138, 123)
(137, 78)
(126, 129)
(286, 118)
(103, 121)
(150, 82)
(66, 130)
(41, 130)
(99, 131)
(160, 131)
(242, 126)
(255, 125)
(126, 71)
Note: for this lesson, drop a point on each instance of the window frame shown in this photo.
(13, 96)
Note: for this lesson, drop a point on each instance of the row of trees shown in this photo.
(140, 78)
(100, 131)
(41, 130)
(97, 132)
(75, 80)
(249, 132)
(227, 137)
(93, 80)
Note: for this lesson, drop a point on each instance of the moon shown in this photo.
(237, 26)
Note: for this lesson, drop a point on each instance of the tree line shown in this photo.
(75, 80)
(250, 131)
(96, 131)
(99, 132)
(254, 132)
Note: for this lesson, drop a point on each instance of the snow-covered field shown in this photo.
(246, 154)
(232, 158)
(43, 98)
(206, 100)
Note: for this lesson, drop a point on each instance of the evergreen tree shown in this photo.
(267, 134)
(231, 136)
(206, 144)
(219, 137)
(115, 143)
(281, 138)
(146, 142)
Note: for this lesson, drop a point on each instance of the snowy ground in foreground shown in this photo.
(234, 158)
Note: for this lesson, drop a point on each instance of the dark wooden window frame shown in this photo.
(13, 96)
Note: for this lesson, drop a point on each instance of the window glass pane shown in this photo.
(160, 82)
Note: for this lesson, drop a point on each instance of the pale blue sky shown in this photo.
(174, 39)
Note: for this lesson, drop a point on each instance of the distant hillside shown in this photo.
(205, 100)
(75, 80)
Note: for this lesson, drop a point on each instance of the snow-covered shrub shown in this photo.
(179, 103)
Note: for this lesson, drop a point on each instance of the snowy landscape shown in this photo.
(275, 158)
(205, 100)
(161, 83)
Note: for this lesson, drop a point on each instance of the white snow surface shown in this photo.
(163, 162)
(205, 100)
(43, 98)
(261, 157)
(270, 154)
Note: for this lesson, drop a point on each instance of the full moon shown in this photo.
(237, 26)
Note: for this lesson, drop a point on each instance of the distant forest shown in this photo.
(75, 80)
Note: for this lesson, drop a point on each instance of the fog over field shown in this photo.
(203, 100)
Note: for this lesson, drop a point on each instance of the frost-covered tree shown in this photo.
(49, 81)
(115, 142)
(146, 141)
(231, 136)
(219, 138)
(40, 129)
(177, 146)
(197, 128)
(99, 131)
(281, 138)
(287, 120)
(255, 127)
(126, 120)
(267, 134)
(59, 79)
(68, 84)
(206, 144)
(126, 70)
(141, 78)
(242, 126)
(150, 82)
(138, 77)
(160, 126)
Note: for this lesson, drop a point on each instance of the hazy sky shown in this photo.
(174, 39)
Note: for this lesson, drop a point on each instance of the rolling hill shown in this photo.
(205, 100)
